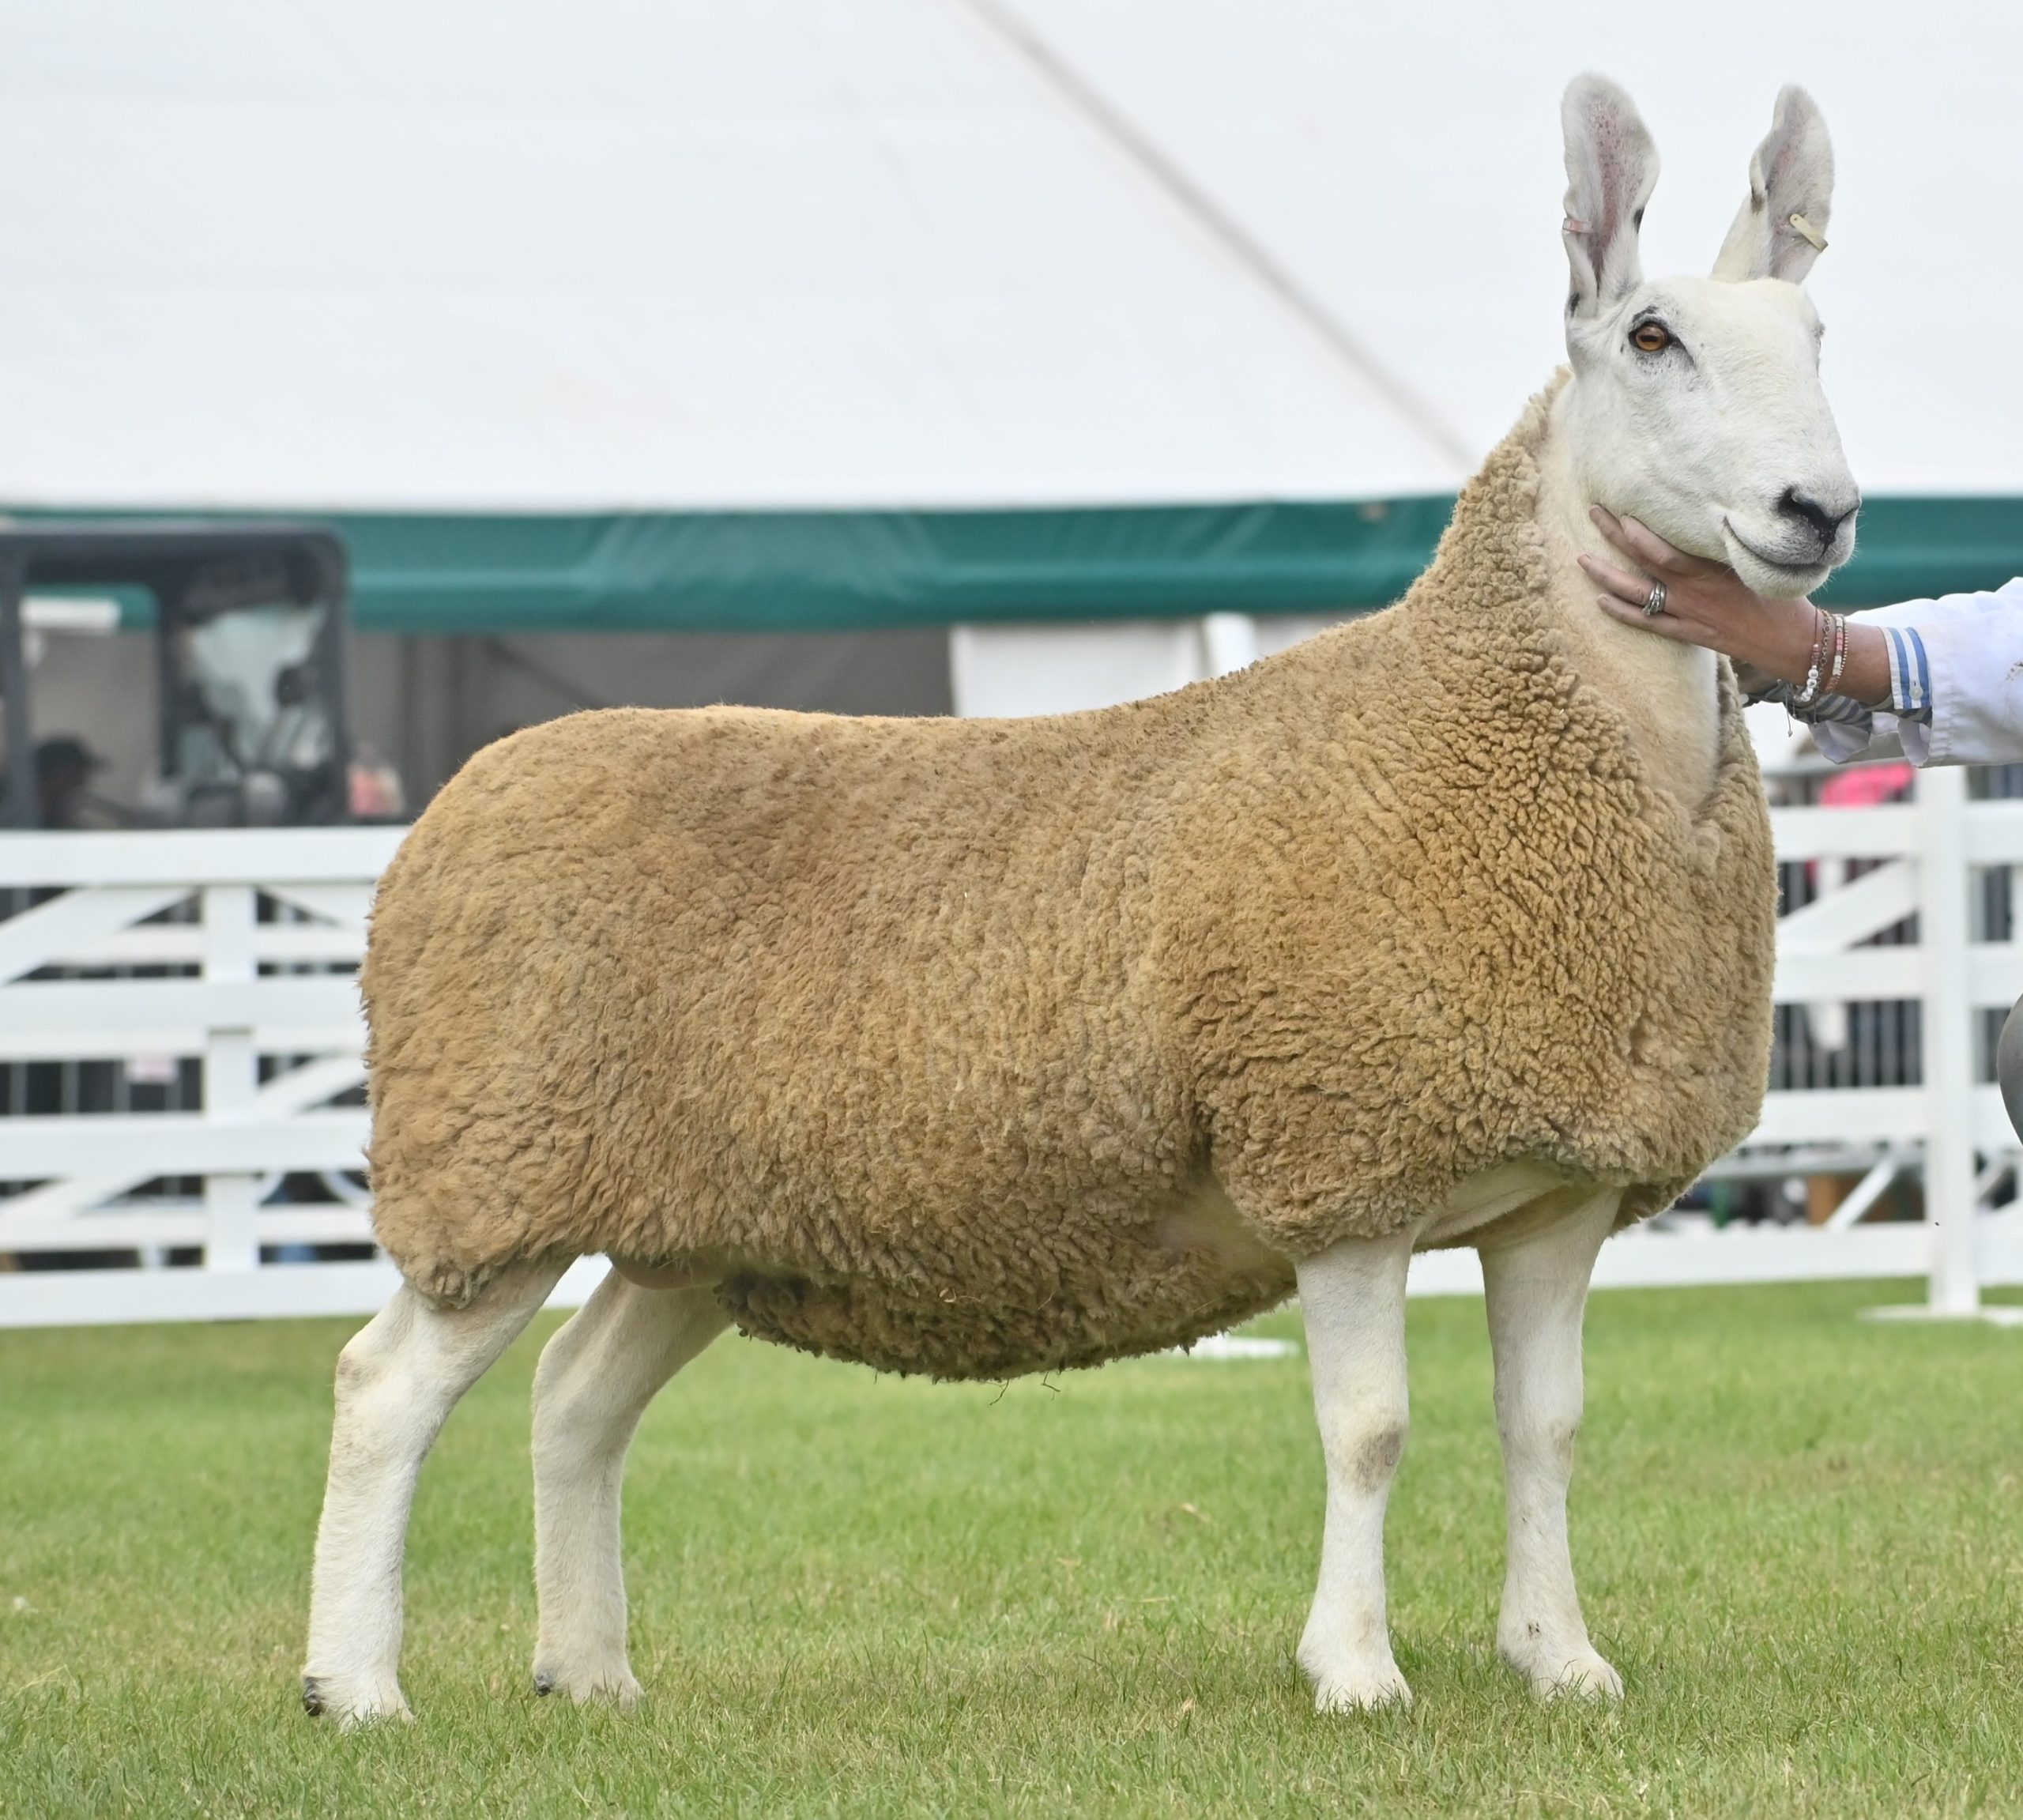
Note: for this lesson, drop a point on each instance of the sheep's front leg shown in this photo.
(398, 1381)
(1537, 1288)
(595, 1380)
(1353, 1297)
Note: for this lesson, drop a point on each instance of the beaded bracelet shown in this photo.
(1821, 633)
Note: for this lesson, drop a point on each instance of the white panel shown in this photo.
(1870, 1114)
(209, 856)
(1861, 973)
(1994, 972)
(1992, 1132)
(139, 1228)
(1807, 833)
(1042, 667)
(288, 1014)
(1642, 1259)
(182, 944)
(1279, 632)
(1026, 669)
(178, 1143)
(104, 1298)
(1994, 833)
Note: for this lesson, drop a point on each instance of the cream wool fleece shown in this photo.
(938, 1044)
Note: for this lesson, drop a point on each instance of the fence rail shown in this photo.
(226, 960)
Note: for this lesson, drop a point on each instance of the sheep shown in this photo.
(979, 1048)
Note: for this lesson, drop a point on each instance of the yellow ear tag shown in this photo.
(1809, 233)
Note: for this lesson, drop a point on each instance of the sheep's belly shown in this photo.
(1193, 1270)
(1189, 1270)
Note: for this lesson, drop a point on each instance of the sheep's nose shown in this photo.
(1822, 519)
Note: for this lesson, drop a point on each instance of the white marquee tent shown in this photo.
(807, 312)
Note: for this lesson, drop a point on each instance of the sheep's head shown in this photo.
(1697, 405)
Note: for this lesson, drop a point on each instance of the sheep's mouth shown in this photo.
(1823, 564)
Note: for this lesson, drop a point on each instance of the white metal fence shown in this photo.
(180, 1055)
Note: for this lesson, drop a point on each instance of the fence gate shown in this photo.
(182, 1052)
(181, 1066)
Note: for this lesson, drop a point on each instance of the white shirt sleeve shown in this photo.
(1957, 667)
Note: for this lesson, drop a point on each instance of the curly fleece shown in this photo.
(947, 1045)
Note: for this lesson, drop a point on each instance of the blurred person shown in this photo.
(64, 768)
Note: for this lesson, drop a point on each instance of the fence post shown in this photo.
(1948, 1029)
(232, 1072)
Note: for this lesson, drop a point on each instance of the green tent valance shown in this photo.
(776, 572)
(834, 570)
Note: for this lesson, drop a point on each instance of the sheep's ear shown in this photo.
(1612, 169)
(1782, 227)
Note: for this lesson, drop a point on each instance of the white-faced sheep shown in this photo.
(982, 1048)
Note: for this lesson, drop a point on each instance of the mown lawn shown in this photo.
(1801, 1539)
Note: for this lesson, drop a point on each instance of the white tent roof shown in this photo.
(360, 253)
(1405, 160)
(721, 254)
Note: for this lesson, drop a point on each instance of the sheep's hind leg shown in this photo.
(1537, 1288)
(1353, 1298)
(398, 1381)
(595, 1380)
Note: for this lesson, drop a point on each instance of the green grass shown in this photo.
(1799, 1536)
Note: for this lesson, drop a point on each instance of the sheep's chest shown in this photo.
(1525, 953)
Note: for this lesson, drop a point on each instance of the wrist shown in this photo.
(1786, 647)
(1867, 678)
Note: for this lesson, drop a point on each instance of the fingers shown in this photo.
(1613, 528)
(1636, 589)
(1642, 545)
(1663, 625)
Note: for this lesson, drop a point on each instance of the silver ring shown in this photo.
(1654, 602)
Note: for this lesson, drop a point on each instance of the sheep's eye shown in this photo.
(1651, 338)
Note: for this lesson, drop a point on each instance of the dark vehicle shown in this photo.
(251, 624)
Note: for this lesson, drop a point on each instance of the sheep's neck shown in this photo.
(1667, 691)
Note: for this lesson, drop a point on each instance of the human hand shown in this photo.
(1706, 604)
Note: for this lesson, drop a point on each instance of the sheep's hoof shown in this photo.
(1585, 1677)
(323, 1695)
(1564, 1674)
(1365, 1689)
(615, 1684)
